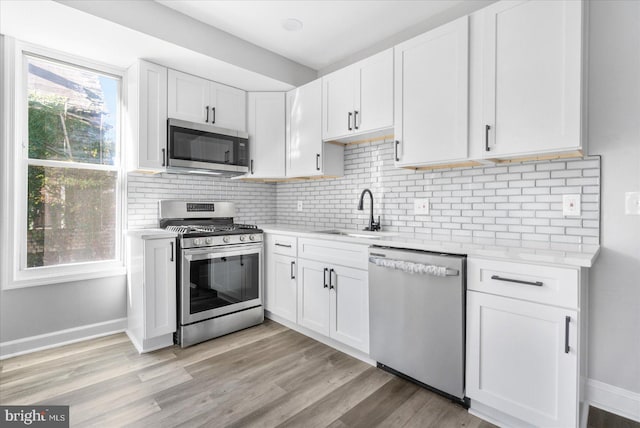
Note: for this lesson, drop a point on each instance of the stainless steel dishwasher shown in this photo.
(417, 317)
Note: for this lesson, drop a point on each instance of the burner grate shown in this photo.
(184, 229)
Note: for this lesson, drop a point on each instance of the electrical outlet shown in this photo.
(299, 205)
(421, 206)
(632, 203)
(571, 205)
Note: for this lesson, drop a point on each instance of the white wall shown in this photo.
(34, 311)
(614, 133)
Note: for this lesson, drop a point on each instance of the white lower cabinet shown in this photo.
(282, 286)
(315, 291)
(334, 300)
(151, 289)
(523, 356)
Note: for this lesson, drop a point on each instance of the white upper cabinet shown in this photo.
(306, 154)
(147, 116)
(431, 96)
(229, 107)
(358, 99)
(199, 100)
(532, 79)
(266, 127)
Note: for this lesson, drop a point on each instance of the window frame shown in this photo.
(15, 92)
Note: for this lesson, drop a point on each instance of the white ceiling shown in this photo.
(332, 31)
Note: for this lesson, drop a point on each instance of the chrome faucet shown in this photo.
(373, 225)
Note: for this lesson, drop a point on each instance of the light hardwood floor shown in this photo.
(265, 376)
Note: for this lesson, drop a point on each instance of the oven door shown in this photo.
(219, 280)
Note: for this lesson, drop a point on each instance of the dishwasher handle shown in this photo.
(414, 268)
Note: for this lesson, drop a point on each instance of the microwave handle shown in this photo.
(164, 157)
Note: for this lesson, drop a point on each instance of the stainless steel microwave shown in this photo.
(202, 148)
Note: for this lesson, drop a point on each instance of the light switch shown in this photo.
(299, 205)
(421, 206)
(632, 203)
(571, 205)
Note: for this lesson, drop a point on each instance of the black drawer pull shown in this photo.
(517, 281)
(282, 245)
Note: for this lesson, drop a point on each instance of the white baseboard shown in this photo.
(613, 399)
(321, 338)
(41, 342)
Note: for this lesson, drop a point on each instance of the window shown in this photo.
(67, 213)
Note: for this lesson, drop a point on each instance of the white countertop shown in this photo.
(573, 255)
(151, 233)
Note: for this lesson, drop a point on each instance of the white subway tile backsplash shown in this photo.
(515, 201)
(255, 202)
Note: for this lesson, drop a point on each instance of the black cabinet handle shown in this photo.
(325, 277)
(207, 119)
(293, 275)
(164, 157)
(331, 284)
(567, 320)
(251, 166)
(355, 119)
(171, 259)
(349, 121)
(283, 245)
(486, 138)
(396, 148)
(318, 161)
(517, 281)
(213, 115)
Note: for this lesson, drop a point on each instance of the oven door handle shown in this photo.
(210, 253)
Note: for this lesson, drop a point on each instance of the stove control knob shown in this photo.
(226, 239)
(209, 240)
(252, 237)
(197, 242)
(243, 237)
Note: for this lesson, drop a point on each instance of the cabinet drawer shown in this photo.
(334, 252)
(282, 244)
(536, 283)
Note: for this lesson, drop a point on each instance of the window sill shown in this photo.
(104, 272)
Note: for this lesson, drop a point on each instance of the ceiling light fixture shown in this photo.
(292, 24)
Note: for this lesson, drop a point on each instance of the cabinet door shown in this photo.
(304, 130)
(266, 126)
(517, 362)
(373, 107)
(229, 107)
(188, 97)
(282, 289)
(349, 313)
(159, 287)
(147, 116)
(313, 296)
(532, 76)
(431, 95)
(338, 96)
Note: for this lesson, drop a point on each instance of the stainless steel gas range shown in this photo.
(220, 270)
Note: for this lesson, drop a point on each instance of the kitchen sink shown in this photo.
(356, 233)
